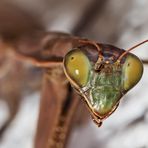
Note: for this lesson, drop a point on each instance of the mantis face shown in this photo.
(103, 88)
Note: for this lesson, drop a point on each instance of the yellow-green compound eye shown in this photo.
(77, 67)
(132, 71)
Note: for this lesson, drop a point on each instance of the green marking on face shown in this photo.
(104, 99)
(106, 92)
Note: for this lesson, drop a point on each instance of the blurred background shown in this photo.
(121, 23)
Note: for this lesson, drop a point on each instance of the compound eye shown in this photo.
(132, 71)
(77, 67)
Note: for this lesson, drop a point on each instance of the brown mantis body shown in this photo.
(47, 51)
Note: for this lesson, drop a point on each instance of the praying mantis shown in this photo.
(101, 74)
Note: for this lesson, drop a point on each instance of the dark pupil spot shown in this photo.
(128, 64)
(72, 58)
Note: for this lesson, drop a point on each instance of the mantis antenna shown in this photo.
(130, 49)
